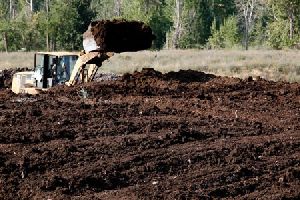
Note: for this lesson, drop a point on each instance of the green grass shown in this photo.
(269, 64)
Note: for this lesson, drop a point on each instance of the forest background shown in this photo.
(54, 25)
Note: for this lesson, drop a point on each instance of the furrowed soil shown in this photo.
(183, 135)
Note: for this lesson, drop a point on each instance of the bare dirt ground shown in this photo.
(185, 135)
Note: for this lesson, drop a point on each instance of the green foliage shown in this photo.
(4, 9)
(154, 13)
(64, 25)
(259, 37)
(221, 9)
(59, 24)
(12, 35)
(67, 21)
(198, 17)
(283, 30)
(20, 33)
(134, 10)
(103, 9)
(197, 20)
(29, 33)
(216, 41)
(284, 8)
(278, 35)
(226, 37)
(160, 26)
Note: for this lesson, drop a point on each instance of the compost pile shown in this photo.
(147, 135)
(120, 35)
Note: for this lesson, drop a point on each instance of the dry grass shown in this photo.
(273, 65)
(16, 59)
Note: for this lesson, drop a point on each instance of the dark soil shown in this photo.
(120, 35)
(147, 135)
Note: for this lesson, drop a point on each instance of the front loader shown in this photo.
(100, 42)
(57, 68)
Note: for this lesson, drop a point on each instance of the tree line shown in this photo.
(205, 24)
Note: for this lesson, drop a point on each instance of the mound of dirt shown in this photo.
(147, 135)
(120, 35)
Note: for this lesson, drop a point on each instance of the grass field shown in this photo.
(272, 65)
(16, 59)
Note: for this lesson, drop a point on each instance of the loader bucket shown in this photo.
(89, 43)
(117, 36)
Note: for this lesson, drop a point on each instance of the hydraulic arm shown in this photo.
(87, 66)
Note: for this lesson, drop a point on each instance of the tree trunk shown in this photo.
(247, 41)
(5, 41)
(291, 19)
(10, 8)
(177, 27)
(246, 37)
(31, 5)
(47, 40)
(247, 9)
(147, 6)
(118, 8)
(54, 44)
(47, 29)
(167, 41)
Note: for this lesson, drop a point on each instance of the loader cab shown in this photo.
(53, 68)
(50, 68)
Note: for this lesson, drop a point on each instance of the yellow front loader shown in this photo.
(57, 68)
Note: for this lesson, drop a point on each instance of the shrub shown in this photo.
(227, 36)
(278, 35)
